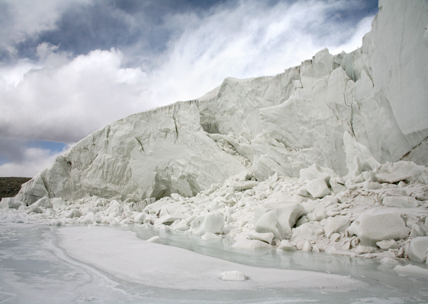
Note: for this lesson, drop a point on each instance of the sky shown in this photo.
(68, 68)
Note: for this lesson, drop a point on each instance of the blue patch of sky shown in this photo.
(53, 147)
(3, 160)
(13, 151)
(106, 25)
(360, 9)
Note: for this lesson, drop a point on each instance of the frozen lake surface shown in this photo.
(81, 264)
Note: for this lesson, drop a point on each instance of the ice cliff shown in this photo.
(324, 136)
(378, 94)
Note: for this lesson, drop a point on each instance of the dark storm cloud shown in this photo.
(122, 24)
(84, 28)
(12, 149)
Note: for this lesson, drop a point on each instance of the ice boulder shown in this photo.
(278, 218)
(418, 230)
(391, 178)
(211, 222)
(306, 246)
(418, 249)
(139, 218)
(285, 245)
(233, 276)
(336, 224)
(288, 214)
(44, 202)
(412, 270)
(302, 232)
(358, 157)
(267, 223)
(35, 209)
(244, 185)
(12, 203)
(402, 171)
(264, 237)
(400, 202)
(115, 209)
(74, 213)
(337, 184)
(389, 262)
(247, 244)
(387, 244)
(316, 172)
(318, 188)
(374, 228)
(58, 203)
(169, 219)
(88, 219)
(154, 239)
(209, 236)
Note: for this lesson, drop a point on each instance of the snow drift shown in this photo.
(329, 155)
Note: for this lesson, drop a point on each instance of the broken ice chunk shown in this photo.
(389, 261)
(336, 224)
(387, 244)
(264, 237)
(318, 188)
(400, 202)
(418, 249)
(373, 228)
(210, 236)
(251, 245)
(391, 178)
(306, 247)
(211, 222)
(44, 202)
(233, 276)
(154, 239)
(285, 245)
(267, 223)
(411, 269)
(12, 202)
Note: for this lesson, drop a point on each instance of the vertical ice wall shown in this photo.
(281, 124)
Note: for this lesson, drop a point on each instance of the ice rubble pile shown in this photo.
(328, 155)
(380, 213)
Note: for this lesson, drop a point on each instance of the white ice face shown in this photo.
(346, 112)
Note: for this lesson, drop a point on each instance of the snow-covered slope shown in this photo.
(233, 157)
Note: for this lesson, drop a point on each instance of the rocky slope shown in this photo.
(10, 186)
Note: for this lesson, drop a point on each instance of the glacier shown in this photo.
(329, 156)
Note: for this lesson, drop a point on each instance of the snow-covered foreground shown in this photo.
(98, 264)
(125, 256)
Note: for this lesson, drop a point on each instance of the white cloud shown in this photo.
(28, 18)
(34, 161)
(67, 99)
